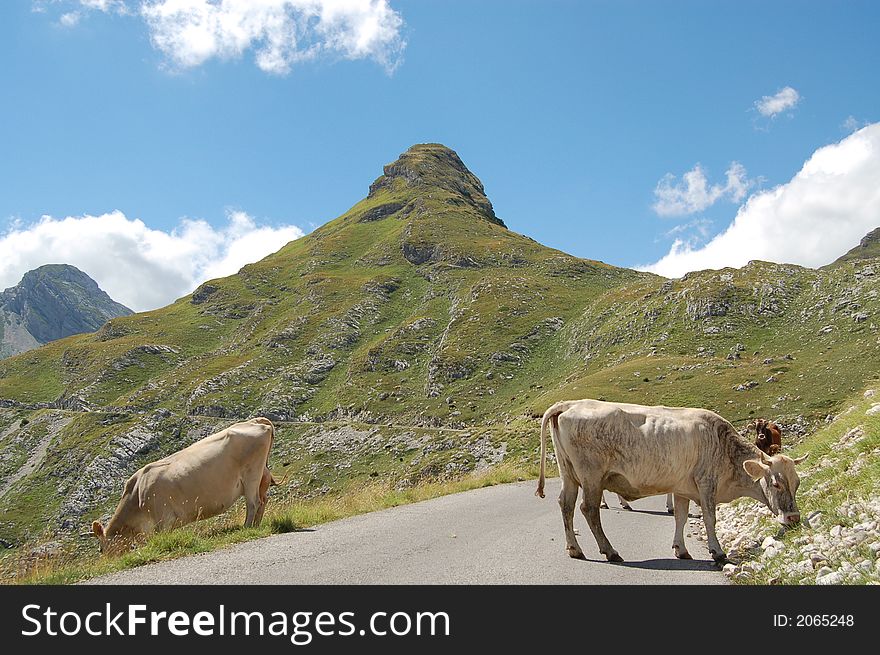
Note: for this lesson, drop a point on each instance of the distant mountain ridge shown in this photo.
(52, 302)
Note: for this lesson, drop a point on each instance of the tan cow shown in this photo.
(198, 482)
(639, 451)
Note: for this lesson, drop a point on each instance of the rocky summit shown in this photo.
(416, 337)
(52, 302)
(436, 169)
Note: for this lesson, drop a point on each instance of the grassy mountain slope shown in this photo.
(415, 337)
(383, 311)
(768, 339)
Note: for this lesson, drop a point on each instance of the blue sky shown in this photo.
(571, 113)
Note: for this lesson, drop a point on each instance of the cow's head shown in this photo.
(779, 481)
(110, 541)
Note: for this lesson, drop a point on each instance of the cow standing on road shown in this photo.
(639, 451)
(198, 482)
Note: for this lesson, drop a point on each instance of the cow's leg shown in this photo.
(707, 504)
(567, 501)
(681, 517)
(621, 499)
(590, 508)
(251, 505)
(265, 482)
(251, 486)
(670, 503)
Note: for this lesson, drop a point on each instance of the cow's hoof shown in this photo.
(681, 553)
(603, 505)
(720, 557)
(613, 557)
(575, 553)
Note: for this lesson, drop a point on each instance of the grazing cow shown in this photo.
(768, 436)
(198, 482)
(639, 451)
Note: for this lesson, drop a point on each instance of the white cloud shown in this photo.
(822, 212)
(281, 32)
(107, 6)
(851, 124)
(70, 19)
(697, 228)
(771, 106)
(693, 193)
(136, 265)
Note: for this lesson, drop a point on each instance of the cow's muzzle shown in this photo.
(789, 518)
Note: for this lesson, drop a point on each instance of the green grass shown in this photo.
(280, 517)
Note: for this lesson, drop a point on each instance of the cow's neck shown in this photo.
(743, 481)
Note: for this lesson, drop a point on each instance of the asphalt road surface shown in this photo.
(496, 535)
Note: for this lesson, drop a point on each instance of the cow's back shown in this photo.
(654, 448)
(207, 477)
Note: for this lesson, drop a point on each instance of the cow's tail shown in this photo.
(264, 421)
(550, 420)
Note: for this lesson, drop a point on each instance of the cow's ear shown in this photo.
(755, 469)
(98, 530)
(798, 460)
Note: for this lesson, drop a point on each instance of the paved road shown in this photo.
(496, 535)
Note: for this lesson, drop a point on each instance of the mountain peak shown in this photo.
(58, 273)
(51, 302)
(871, 237)
(428, 167)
